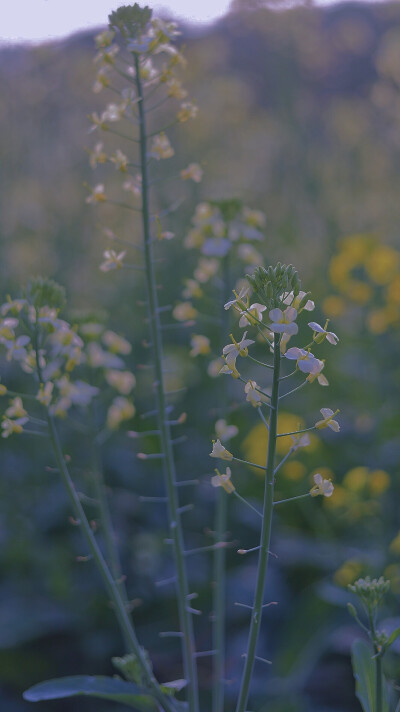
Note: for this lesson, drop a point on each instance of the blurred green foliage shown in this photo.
(299, 116)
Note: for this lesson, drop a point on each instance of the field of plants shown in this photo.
(133, 346)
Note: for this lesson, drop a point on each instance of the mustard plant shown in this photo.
(80, 375)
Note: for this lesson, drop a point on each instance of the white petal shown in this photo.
(290, 313)
(294, 353)
(318, 479)
(276, 315)
(316, 327)
(291, 328)
(326, 412)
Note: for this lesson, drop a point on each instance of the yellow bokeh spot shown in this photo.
(356, 479)
(333, 306)
(349, 572)
(255, 445)
(340, 267)
(395, 545)
(340, 498)
(393, 291)
(392, 573)
(378, 321)
(379, 481)
(358, 292)
(294, 470)
(357, 247)
(383, 264)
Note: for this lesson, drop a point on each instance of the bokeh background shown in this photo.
(299, 117)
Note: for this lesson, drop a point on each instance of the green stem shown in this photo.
(292, 499)
(186, 621)
(378, 691)
(108, 579)
(219, 558)
(264, 539)
(110, 584)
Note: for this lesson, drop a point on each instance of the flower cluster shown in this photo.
(41, 343)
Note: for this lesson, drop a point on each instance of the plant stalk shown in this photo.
(265, 537)
(186, 621)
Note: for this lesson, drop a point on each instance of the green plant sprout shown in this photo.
(371, 684)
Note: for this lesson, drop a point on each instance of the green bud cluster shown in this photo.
(370, 591)
(274, 283)
(42, 292)
(130, 20)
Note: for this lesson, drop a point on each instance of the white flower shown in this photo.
(120, 161)
(306, 361)
(240, 299)
(318, 375)
(237, 348)
(97, 194)
(98, 358)
(175, 89)
(220, 451)
(283, 322)
(214, 367)
(206, 269)
(255, 310)
(224, 431)
(122, 381)
(97, 156)
(44, 393)
(187, 111)
(302, 441)
(192, 289)
(193, 172)
(161, 147)
(112, 260)
(324, 487)
(328, 421)
(223, 480)
(296, 301)
(16, 409)
(120, 409)
(13, 305)
(116, 344)
(321, 333)
(16, 348)
(200, 345)
(184, 311)
(250, 255)
(12, 426)
(253, 396)
(133, 184)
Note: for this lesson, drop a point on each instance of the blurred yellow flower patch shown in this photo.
(348, 572)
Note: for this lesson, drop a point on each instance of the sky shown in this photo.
(37, 20)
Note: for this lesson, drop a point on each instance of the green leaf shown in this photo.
(364, 674)
(393, 637)
(107, 688)
(130, 666)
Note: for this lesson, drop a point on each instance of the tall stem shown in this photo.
(186, 621)
(219, 563)
(110, 584)
(378, 665)
(265, 537)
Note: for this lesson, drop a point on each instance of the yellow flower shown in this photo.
(175, 89)
(356, 479)
(294, 470)
(393, 291)
(224, 480)
(383, 264)
(379, 482)
(3, 390)
(334, 306)
(348, 572)
(395, 544)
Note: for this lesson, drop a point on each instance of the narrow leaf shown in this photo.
(364, 674)
(108, 688)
